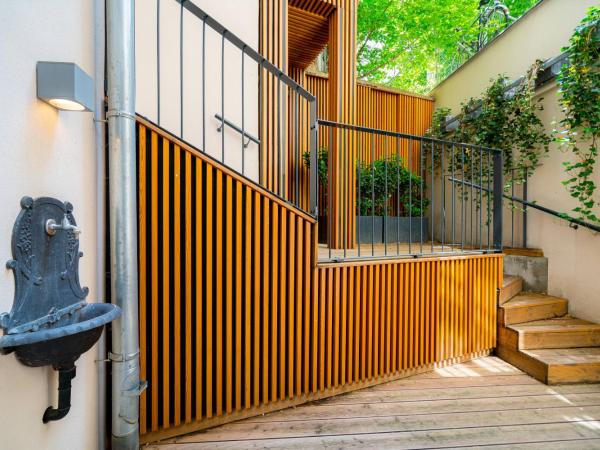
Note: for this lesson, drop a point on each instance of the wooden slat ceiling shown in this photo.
(308, 31)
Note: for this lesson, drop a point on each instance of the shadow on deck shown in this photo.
(484, 402)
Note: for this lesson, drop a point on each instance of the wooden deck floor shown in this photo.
(402, 250)
(482, 403)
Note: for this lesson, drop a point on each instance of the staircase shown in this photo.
(536, 334)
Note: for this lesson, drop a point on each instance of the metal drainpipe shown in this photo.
(120, 65)
(100, 141)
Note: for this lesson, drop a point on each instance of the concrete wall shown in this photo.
(45, 153)
(574, 255)
(239, 16)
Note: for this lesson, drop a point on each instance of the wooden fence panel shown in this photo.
(237, 319)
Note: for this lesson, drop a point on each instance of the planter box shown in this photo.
(392, 229)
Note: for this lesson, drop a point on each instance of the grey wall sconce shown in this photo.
(65, 86)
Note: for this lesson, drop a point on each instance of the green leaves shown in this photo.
(385, 180)
(506, 122)
(409, 44)
(579, 88)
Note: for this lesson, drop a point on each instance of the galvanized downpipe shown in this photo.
(100, 143)
(120, 72)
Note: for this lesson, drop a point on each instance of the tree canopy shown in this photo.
(413, 44)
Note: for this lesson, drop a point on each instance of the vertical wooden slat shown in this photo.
(343, 324)
(142, 224)
(298, 325)
(259, 269)
(394, 316)
(188, 287)
(154, 271)
(350, 327)
(307, 303)
(209, 290)
(200, 294)
(219, 292)
(248, 297)
(291, 323)
(228, 281)
(376, 319)
(274, 300)
(177, 285)
(283, 299)
(238, 250)
(266, 230)
(166, 334)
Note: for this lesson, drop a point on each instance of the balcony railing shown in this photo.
(232, 103)
(388, 194)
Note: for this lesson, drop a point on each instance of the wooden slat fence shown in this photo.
(237, 319)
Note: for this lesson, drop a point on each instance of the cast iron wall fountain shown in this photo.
(50, 322)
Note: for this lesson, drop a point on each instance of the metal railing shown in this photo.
(389, 194)
(286, 112)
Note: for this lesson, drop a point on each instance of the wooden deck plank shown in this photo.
(243, 431)
(493, 435)
(484, 402)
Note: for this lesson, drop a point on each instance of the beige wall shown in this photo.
(540, 34)
(239, 16)
(45, 153)
(574, 255)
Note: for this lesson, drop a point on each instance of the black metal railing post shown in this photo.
(497, 199)
(314, 169)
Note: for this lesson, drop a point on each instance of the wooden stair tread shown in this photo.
(566, 356)
(511, 286)
(528, 299)
(533, 252)
(560, 324)
(509, 279)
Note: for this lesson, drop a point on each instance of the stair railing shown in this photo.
(271, 148)
(403, 192)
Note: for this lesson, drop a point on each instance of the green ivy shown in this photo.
(383, 180)
(579, 90)
(503, 120)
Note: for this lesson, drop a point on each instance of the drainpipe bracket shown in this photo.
(119, 357)
(137, 391)
(118, 113)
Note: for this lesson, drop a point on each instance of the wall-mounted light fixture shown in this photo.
(65, 86)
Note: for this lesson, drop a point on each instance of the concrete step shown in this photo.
(511, 286)
(571, 365)
(563, 332)
(529, 307)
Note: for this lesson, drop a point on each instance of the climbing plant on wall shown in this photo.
(503, 119)
(579, 90)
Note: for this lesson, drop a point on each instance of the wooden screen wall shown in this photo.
(225, 276)
(381, 108)
(274, 29)
(237, 319)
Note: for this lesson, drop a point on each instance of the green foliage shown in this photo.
(579, 83)
(385, 178)
(390, 183)
(505, 121)
(409, 44)
(322, 158)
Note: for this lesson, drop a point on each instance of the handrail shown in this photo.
(248, 51)
(529, 204)
(198, 153)
(236, 128)
(276, 91)
(346, 126)
(393, 183)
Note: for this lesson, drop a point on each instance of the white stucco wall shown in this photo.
(44, 152)
(574, 255)
(238, 16)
